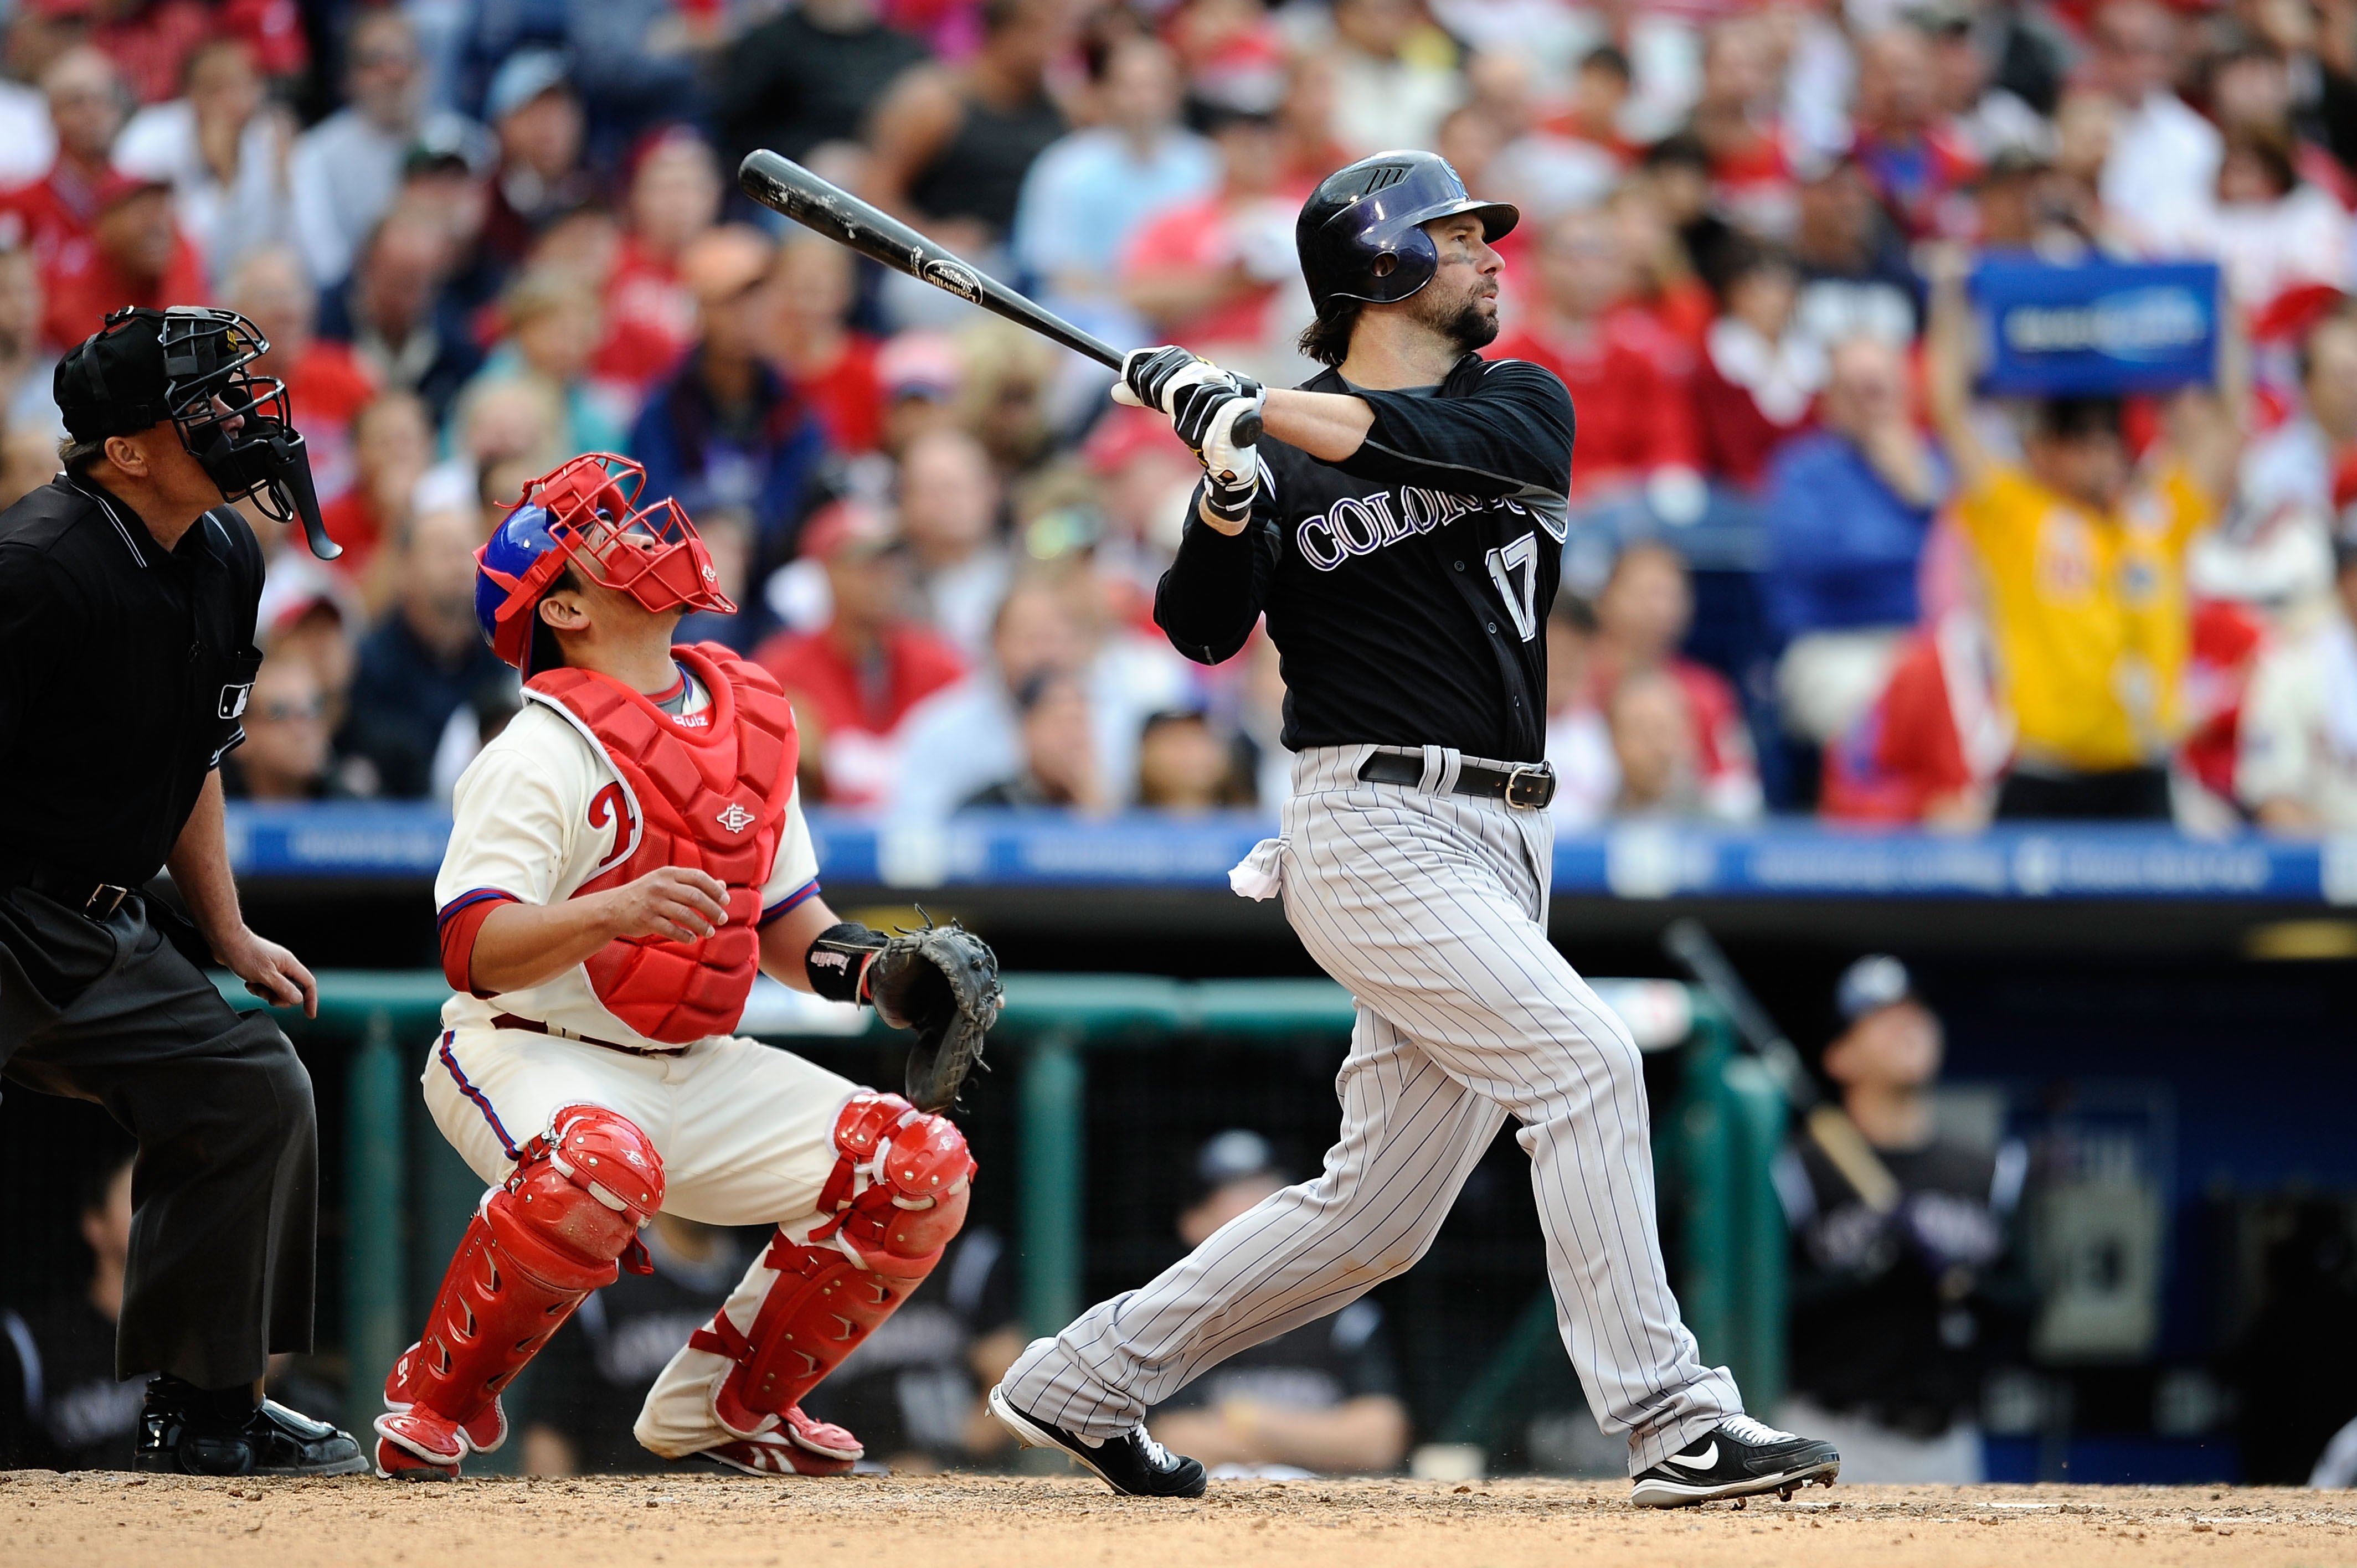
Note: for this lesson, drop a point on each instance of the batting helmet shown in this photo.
(1360, 233)
(585, 513)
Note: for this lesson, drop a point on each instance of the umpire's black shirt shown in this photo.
(1407, 587)
(124, 670)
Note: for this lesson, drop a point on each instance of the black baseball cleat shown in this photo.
(1740, 1458)
(1133, 1463)
(181, 1437)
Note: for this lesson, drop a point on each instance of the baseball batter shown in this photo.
(1400, 525)
(625, 855)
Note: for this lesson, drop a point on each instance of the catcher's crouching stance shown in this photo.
(624, 855)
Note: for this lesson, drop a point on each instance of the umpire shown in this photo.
(127, 600)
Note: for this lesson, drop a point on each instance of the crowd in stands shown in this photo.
(481, 239)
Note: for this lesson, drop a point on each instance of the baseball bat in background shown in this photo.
(784, 185)
(1828, 1125)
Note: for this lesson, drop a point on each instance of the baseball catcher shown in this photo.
(625, 855)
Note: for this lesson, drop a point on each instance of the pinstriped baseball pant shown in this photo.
(1431, 907)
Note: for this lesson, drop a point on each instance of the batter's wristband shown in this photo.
(838, 960)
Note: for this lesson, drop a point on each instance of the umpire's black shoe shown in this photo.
(181, 1436)
(1132, 1464)
(1740, 1458)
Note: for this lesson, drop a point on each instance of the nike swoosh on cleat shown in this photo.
(1702, 1461)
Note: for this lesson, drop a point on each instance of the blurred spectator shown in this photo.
(1395, 75)
(967, 737)
(1305, 121)
(536, 114)
(392, 444)
(2161, 174)
(1733, 121)
(1893, 1309)
(550, 325)
(29, 459)
(326, 381)
(726, 430)
(674, 196)
(1652, 747)
(135, 255)
(151, 40)
(869, 665)
(1759, 373)
(1933, 747)
(58, 210)
(1662, 267)
(1624, 372)
(1853, 265)
(1087, 195)
(1322, 1399)
(61, 1406)
(2296, 769)
(923, 375)
(833, 367)
(1982, 116)
(285, 757)
(2309, 462)
(310, 630)
(600, 1364)
(1210, 272)
(952, 144)
(346, 170)
(427, 657)
(1143, 476)
(1916, 166)
(1642, 615)
(446, 176)
(28, 371)
(1848, 506)
(403, 326)
(1578, 740)
(912, 1390)
(1059, 762)
(2084, 565)
(35, 35)
(223, 149)
(1185, 766)
(2269, 230)
(505, 424)
(949, 514)
(807, 77)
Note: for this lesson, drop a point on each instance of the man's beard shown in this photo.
(1460, 322)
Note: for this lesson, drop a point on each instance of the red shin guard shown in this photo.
(538, 1245)
(898, 1194)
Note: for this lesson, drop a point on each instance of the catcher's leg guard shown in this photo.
(898, 1195)
(536, 1247)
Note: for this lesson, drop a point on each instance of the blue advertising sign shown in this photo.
(2097, 329)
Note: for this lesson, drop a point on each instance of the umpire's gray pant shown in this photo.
(1432, 908)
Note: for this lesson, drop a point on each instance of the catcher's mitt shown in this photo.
(941, 981)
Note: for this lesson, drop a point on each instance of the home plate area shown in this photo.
(1009, 1521)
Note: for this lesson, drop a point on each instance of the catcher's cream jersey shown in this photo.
(539, 812)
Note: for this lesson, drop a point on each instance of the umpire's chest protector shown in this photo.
(709, 793)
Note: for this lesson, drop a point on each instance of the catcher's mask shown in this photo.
(585, 513)
(193, 365)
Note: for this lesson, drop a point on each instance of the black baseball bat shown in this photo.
(784, 185)
(1829, 1127)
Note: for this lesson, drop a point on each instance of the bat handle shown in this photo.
(1246, 430)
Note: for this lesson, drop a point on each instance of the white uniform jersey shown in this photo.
(539, 814)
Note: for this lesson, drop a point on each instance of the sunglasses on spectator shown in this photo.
(283, 711)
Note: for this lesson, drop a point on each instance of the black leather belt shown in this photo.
(533, 1025)
(98, 900)
(1526, 786)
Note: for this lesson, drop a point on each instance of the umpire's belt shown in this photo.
(82, 894)
(556, 1031)
(1527, 786)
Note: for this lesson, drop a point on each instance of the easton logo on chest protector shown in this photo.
(712, 798)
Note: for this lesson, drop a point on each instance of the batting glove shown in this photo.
(1228, 507)
(1151, 377)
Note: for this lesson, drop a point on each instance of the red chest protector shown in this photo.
(713, 799)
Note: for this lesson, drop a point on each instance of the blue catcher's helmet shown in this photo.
(1361, 234)
(585, 513)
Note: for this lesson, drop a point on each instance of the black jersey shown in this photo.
(1407, 587)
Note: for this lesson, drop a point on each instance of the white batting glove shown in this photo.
(1152, 378)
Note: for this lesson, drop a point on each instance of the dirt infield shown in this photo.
(977, 1521)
